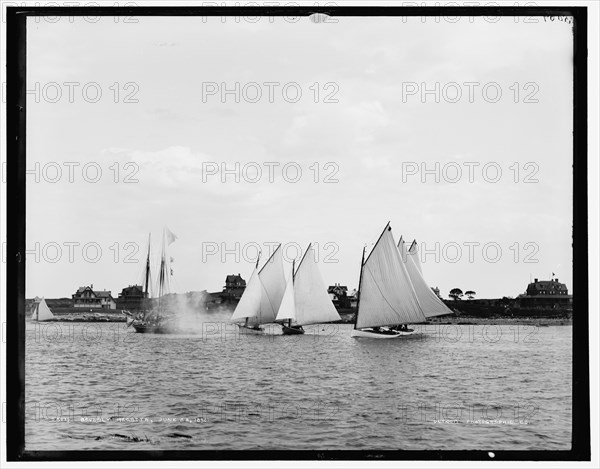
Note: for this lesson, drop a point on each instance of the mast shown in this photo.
(293, 277)
(147, 281)
(362, 263)
(268, 260)
(361, 269)
(255, 267)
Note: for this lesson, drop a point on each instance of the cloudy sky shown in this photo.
(162, 105)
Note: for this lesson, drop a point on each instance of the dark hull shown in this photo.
(150, 329)
(250, 330)
(291, 330)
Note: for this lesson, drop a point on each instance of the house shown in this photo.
(546, 293)
(436, 290)
(353, 298)
(131, 297)
(234, 288)
(339, 295)
(87, 297)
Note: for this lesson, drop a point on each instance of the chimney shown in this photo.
(556, 280)
(92, 286)
(535, 280)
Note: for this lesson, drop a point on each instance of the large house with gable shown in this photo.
(87, 297)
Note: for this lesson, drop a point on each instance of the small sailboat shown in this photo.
(305, 300)
(386, 295)
(430, 303)
(263, 295)
(42, 312)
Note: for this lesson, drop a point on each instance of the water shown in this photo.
(449, 387)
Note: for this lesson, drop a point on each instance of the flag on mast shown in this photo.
(171, 237)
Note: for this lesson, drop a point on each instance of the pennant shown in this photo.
(171, 237)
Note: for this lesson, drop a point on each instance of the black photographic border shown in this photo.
(16, 46)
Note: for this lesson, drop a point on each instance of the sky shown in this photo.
(354, 123)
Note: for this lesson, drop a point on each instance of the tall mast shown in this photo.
(305, 253)
(269, 259)
(147, 269)
(293, 278)
(362, 263)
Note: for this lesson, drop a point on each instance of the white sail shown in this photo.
(416, 258)
(402, 249)
(272, 278)
(43, 313)
(429, 301)
(313, 305)
(386, 293)
(249, 304)
(287, 309)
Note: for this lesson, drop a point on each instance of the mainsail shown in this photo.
(272, 279)
(306, 300)
(42, 312)
(263, 294)
(249, 304)
(386, 293)
(431, 304)
(287, 309)
(416, 258)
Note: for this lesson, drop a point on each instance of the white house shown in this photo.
(86, 297)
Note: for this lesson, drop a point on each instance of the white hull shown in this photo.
(367, 334)
(250, 330)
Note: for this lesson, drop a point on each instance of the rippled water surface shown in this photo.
(102, 386)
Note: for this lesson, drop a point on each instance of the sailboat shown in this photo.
(262, 297)
(305, 300)
(157, 320)
(42, 312)
(430, 303)
(386, 294)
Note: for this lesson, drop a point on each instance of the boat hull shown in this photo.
(152, 329)
(370, 334)
(250, 330)
(291, 330)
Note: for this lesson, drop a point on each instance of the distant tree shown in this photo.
(470, 294)
(456, 294)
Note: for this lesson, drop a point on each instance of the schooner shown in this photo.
(156, 320)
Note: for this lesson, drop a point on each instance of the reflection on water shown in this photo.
(102, 386)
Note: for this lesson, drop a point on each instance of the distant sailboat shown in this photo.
(263, 294)
(386, 295)
(42, 312)
(305, 300)
(430, 303)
